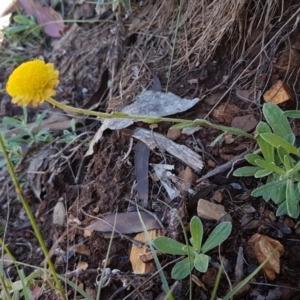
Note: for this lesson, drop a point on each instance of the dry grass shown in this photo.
(251, 32)
(251, 35)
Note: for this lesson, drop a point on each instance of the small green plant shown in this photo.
(25, 28)
(196, 256)
(278, 162)
(20, 288)
(25, 135)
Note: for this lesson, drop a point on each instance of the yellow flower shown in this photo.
(32, 83)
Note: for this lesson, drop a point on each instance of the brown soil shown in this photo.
(247, 48)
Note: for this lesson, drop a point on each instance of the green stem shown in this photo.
(148, 119)
(30, 215)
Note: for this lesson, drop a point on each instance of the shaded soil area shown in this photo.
(107, 59)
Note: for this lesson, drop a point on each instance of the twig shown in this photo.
(224, 167)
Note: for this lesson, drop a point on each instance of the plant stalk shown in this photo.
(30, 215)
(148, 119)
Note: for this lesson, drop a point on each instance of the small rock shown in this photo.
(174, 134)
(242, 94)
(218, 197)
(278, 93)
(297, 231)
(225, 113)
(211, 163)
(210, 211)
(212, 99)
(246, 123)
(188, 175)
(289, 222)
(59, 214)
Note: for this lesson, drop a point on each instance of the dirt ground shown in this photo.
(224, 54)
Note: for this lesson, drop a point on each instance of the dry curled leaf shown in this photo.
(266, 247)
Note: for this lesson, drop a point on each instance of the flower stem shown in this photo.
(30, 215)
(149, 119)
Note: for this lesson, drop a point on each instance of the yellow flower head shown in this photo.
(32, 83)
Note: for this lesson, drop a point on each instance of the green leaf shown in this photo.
(252, 157)
(40, 119)
(73, 125)
(201, 262)
(218, 236)
(268, 188)
(293, 173)
(235, 131)
(16, 29)
(278, 195)
(277, 141)
(276, 119)
(184, 125)
(262, 173)
(170, 246)
(196, 228)
(292, 200)
(262, 127)
(287, 162)
(246, 171)
(295, 114)
(281, 153)
(8, 121)
(22, 20)
(182, 269)
(269, 166)
(217, 139)
(282, 209)
(290, 138)
(266, 149)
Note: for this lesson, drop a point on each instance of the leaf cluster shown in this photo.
(25, 28)
(20, 289)
(28, 135)
(25, 136)
(196, 254)
(278, 161)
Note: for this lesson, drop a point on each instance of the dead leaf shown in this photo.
(82, 249)
(138, 265)
(181, 152)
(128, 222)
(149, 103)
(37, 165)
(36, 292)
(278, 93)
(266, 247)
(82, 265)
(141, 165)
(246, 123)
(52, 21)
(166, 177)
(225, 113)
